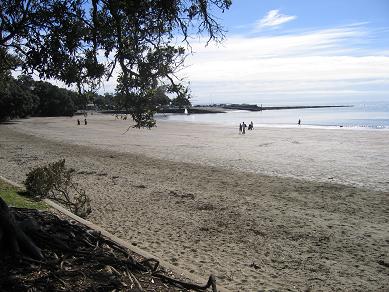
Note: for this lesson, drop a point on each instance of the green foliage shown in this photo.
(143, 106)
(83, 42)
(13, 197)
(24, 97)
(159, 97)
(8, 63)
(54, 101)
(16, 99)
(55, 182)
(105, 102)
(181, 102)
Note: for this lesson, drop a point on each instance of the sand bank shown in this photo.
(352, 157)
(209, 200)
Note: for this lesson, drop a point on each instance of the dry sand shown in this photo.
(265, 210)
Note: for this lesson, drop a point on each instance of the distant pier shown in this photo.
(256, 108)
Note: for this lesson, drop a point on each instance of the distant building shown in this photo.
(91, 107)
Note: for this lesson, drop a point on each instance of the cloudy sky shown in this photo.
(295, 51)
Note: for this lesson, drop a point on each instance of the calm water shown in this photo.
(361, 115)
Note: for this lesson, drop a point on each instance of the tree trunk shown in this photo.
(13, 240)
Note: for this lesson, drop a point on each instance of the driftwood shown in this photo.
(75, 258)
(13, 239)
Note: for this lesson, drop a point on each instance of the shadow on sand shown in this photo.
(9, 122)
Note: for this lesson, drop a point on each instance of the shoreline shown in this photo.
(283, 126)
(288, 118)
(266, 108)
(217, 109)
(254, 231)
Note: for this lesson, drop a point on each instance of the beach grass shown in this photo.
(13, 196)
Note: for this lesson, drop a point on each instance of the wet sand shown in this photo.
(276, 208)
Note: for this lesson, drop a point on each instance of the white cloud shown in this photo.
(323, 65)
(273, 18)
(317, 64)
(320, 42)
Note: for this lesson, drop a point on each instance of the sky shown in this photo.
(288, 52)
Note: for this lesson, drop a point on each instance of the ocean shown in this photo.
(359, 116)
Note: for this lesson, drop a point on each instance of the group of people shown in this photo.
(85, 121)
(243, 126)
(79, 123)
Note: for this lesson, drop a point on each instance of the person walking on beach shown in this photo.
(85, 122)
(251, 126)
(240, 128)
(244, 128)
(299, 122)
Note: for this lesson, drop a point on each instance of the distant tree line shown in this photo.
(23, 96)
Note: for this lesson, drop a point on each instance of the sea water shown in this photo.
(359, 115)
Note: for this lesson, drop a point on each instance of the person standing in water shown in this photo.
(299, 122)
(240, 128)
(85, 122)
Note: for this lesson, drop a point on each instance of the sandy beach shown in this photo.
(276, 208)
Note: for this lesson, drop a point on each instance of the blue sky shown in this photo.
(297, 51)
